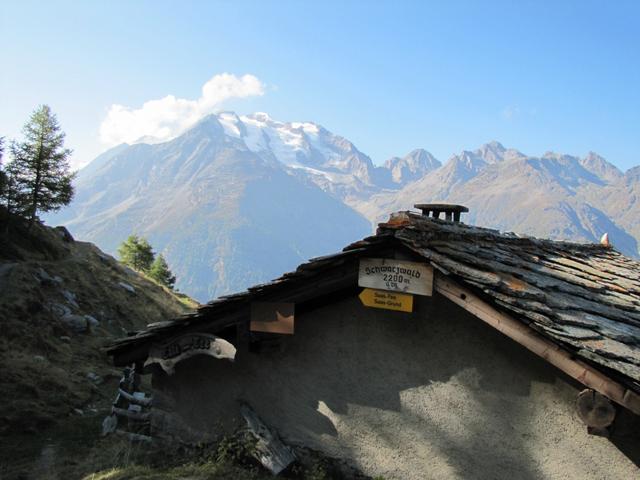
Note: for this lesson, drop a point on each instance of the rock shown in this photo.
(59, 309)
(129, 271)
(71, 298)
(64, 233)
(92, 321)
(65, 338)
(39, 358)
(43, 277)
(127, 287)
(77, 323)
(109, 424)
(104, 258)
(95, 378)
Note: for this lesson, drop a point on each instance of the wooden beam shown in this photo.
(528, 338)
(270, 451)
(130, 414)
(144, 402)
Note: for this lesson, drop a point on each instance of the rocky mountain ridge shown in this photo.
(555, 195)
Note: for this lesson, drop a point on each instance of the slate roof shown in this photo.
(583, 297)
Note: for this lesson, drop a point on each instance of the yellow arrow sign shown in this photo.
(400, 302)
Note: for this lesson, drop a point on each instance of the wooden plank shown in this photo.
(396, 275)
(180, 348)
(270, 451)
(525, 336)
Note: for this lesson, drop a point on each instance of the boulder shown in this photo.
(127, 287)
(76, 323)
(59, 310)
(70, 297)
(64, 233)
(95, 378)
(93, 322)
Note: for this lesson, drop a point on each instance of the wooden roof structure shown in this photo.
(576, 305)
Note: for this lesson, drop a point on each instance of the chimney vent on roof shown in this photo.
(451, 212)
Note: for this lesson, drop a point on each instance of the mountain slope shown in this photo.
(556, 196)
(224, 216)
(60, 302)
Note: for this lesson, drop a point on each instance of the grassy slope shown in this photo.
(49, 403)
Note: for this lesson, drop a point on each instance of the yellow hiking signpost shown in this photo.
(400, 302)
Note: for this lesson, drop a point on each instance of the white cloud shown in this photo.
(165, 118)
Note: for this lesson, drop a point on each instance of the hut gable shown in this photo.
(575, 305)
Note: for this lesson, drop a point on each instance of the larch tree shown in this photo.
(160, 272)
(137, 253)
(3, 175)
(39, 168)
(10, 197)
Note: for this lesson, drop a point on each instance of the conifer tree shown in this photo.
(137, 253)
(40, 168)
(160, 272)
(3, 175)
(10, 197)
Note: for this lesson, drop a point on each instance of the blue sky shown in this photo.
(389, 76)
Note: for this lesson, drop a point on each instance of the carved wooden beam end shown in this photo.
(596, 411)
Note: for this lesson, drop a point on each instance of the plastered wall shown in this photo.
(433, 394)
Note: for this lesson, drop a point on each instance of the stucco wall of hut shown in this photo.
(433, 394)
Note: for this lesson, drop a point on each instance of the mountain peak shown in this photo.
(633, 174)
(491, 152)
(413, 166)
(597, 165)
(494, 145)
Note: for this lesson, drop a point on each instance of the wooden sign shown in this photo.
(388, 300)
(167, 355)
(272, 317)
(396, 276)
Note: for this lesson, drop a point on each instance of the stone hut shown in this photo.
(431, 349)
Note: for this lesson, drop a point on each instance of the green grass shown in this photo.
(195, 471)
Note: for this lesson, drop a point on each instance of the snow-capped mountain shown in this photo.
(224, 216)
(237, 200)
(329, 160)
